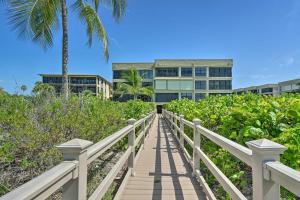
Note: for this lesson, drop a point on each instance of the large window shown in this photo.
(220, 72)
(173, 85)
(186, 71)
(186, 85)
(146, 74)
(220, 85)
(200, 85)
(166, 72)
(160, 84)
(52, 79)
(267, 90)
(200, 71)
(199, 96)
(187, 95)
(165, 97)
(83, 80)
(119, 74)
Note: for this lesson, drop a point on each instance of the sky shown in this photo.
(262, 38)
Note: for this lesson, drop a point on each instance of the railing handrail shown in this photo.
(77, 155)
(284, 176)
(41, 185)
(262, 156)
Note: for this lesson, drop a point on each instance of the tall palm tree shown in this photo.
(133, 85)
(37, 19)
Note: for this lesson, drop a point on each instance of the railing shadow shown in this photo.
(170, 147)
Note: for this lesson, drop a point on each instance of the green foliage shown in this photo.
(31, 127)
(243, 118)
(133, 85)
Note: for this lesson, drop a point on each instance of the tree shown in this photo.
(37, 19)
(133, 85)
(23, 88)
(43, 89)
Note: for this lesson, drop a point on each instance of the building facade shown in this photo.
(80, 82)
(177, 79)
(271, 89)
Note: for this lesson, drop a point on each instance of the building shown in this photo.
(272, 89)
(80, 82)
(178, 78)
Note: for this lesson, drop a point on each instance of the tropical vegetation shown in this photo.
(133, 85)
(243, 118)
(36, 20)
(31, 127)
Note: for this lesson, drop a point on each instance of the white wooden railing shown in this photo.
(268, 174)
(71, 174)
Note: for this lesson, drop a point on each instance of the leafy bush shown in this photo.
(243, 118)
(31, 127)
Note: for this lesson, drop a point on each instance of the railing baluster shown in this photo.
(76, 149)
(264, 150)
(131, 139)
(143, 130)
(196, 138)
(181, 139)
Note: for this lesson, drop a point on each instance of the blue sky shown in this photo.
(263, 38)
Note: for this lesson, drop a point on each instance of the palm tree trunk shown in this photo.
(65, 83)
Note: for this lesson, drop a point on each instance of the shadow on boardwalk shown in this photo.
(162, 171)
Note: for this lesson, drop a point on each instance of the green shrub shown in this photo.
(31, 127)
(243, 118)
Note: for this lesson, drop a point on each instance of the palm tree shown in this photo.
(23, 88)
(37, 19)
(133, 85)
(43, 89)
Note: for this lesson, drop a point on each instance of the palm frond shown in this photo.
(118, 8)
(34, 19)
(94, 24)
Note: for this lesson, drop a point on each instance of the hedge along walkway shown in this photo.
(162, 172)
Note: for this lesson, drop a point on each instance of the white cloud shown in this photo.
(287, 62)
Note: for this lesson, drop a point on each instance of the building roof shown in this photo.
(79, 75)
(293, 81)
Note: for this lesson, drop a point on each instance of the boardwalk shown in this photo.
(162, 172)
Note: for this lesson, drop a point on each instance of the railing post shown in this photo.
(172, 119)
(131, 140)
(76, 149)
(144, 131)
(264, 150)
(181, 131)
(196, 158)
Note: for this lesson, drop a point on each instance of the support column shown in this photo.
(76, 149)
(196, 157)
(131, 140)
(264, 150)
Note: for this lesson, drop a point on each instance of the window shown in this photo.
(165, 97)
(266, 90)
(220, 94)
(187, 96)
(173, 85)
(83, 80)
(254, 91)
(220, 72)
(200, 85)
(220, 85)
(199, 96)
(147, 84)
(186, 71)
(186, 85)
(122, 98)
(146, 74)
(118, 74)
(160, 85)
(52, 79)
(166, 72)
(200, 71)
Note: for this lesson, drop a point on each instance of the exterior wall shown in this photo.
(178, 64)
(100, 86)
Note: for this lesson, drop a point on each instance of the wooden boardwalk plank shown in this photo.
(162, 171)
